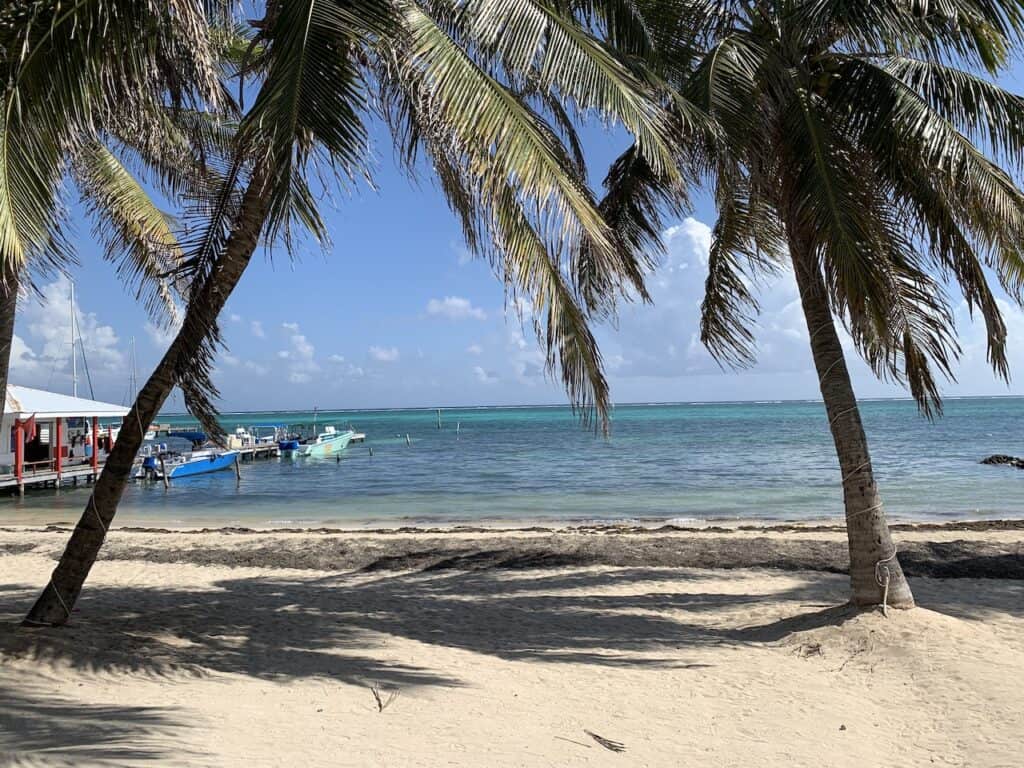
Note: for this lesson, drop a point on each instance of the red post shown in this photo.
(60, 447)
(19, 452)
(95, 444)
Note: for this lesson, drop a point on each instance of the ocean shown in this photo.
(692, 463)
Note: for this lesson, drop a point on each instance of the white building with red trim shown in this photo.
(68, 442)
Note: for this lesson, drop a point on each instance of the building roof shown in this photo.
(23, 402)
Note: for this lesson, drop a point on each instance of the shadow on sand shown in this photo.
(37, 729)
(336, 626)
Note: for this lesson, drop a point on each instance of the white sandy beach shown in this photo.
(175, 663)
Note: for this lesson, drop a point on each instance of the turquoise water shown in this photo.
(684, 463)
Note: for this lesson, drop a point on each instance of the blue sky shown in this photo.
(396, 315)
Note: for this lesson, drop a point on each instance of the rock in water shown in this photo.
(1001, 458)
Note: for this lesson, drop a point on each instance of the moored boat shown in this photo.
(327, 443)
(186, 464)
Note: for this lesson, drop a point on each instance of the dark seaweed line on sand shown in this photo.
(966, 526)
(953, 559)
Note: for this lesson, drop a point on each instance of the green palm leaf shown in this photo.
(136, 233)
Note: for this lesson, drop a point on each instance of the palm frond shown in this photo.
(501, 139)
(991, 204)
(747, 242)
(135, 232)
(977, 108)
(311, 101)
(533, 36)
(561, 324)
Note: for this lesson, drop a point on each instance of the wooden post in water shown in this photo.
(163, 474)
(238, 469)
(407, 440)
(19, 456)
(58, 440)
(438, 418)
(95, 447)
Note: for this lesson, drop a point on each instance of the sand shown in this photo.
(505, 649)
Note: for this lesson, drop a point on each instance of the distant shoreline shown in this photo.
(653, 404)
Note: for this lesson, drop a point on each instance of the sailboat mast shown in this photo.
(134, 380)
(74, 356)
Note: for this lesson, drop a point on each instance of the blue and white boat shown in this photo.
(186, 464)
(290, 443)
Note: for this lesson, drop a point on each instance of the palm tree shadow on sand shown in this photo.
(67, 732)
(336, 627)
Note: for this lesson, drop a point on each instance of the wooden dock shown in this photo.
(43, 475)
(261, 451)
(47, 477)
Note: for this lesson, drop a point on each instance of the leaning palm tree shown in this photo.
(863, 145)
(117, 125)
(483, 92)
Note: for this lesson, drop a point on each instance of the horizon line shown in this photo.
(568, 406)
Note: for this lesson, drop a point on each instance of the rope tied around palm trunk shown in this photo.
(92, 503)
(883, 577)
(822, 327)
(821, 379)
(64, 605)
(865, 511)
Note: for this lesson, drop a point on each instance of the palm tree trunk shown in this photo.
(875, 573)
(8, 310)
(54, 605)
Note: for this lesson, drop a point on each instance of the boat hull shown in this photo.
(202, 466)
(326, 448)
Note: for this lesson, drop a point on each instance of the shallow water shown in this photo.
(686, 463)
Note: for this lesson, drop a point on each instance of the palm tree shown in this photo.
(863, 144)
(117, 126)
(482, 91)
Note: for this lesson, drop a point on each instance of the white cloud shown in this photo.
(161, 336)
(301, 356)
(235, 318)
(656, 351)
(384, 354)
(256, 327)
(462, 254)
(336, 358)
(49, 323)
(23, 359)
(484, 376)
(663, 340)
(455, 308)
(475, 349)
(256, 368)
(526, 359)
(230, 360)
